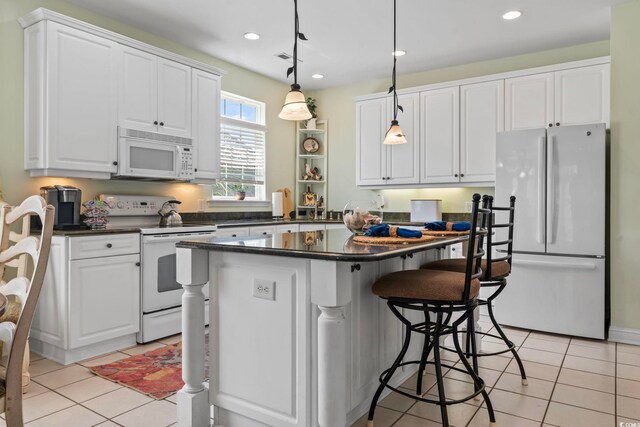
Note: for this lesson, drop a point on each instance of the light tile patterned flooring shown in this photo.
(572, 382)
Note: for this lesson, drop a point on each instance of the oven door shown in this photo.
(160, 290)
(148, 159)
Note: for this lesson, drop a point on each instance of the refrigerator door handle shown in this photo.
(551, 264)
(551, 190)
(541, 206)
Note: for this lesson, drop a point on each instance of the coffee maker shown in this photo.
(66, 200)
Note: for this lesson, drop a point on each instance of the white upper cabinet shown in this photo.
(380, 164)
(481, 118)
(70, 102)
(440, 132)
(138, 107)
(582, 95)
(403, 160)
(529, 102)
(155, 93)
(562, 98)
(206, 125)
(370, 152)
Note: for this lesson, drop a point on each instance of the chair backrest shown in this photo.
(19, 264)
(492, 225)
(24, 287)
(476, 248)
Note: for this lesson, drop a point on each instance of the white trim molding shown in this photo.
(624, 335)
(217, 203)
(42, 14)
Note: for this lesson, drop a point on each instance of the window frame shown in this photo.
(260, 126)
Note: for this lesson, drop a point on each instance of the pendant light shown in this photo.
(295, 104)
(394, 134)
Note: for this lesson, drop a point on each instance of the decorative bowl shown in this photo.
(359, 215)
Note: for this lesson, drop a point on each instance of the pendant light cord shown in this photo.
(295, 43)
(395, 58)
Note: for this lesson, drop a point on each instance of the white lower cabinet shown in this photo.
(287, 228)
(105, 296)
(90, 301)
(311, 227)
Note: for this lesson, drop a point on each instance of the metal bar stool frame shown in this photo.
(443, 311)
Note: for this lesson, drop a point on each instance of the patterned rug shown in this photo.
(156, 373)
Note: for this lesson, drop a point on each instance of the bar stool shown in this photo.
(495, 273)
(441, 293)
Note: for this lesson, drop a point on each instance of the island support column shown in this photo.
(331, 291)
(193, 399)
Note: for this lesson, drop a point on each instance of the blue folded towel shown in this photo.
(447, 226)
(384, 230)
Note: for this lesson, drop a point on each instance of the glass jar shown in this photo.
(359, 215)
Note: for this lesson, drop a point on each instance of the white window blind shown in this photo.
(242, 153)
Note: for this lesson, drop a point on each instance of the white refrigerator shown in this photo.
(558, 175)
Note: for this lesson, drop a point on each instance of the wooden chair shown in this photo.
(22, 291)
(20, 268)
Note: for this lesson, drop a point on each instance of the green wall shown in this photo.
(337, 106)
(625, 165)
(17, 184)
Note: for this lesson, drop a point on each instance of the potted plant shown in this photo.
(311, 104)
(241, 193)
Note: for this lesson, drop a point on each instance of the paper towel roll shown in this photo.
(276, 204)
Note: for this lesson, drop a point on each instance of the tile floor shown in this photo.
(572, 382)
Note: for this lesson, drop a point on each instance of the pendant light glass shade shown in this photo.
(394, 134)
(295, 105)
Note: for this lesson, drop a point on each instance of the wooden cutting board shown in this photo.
(287, 202)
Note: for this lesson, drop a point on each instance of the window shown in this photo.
(242, 148)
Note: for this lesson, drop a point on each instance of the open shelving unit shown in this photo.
(314, 160)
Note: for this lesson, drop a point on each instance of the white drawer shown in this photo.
(83, 247)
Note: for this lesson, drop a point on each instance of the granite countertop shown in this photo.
(333, 245)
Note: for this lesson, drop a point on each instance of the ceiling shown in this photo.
(352, 40)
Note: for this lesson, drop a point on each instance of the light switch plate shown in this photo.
(265, 289)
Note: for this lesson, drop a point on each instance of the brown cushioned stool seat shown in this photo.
(499, 268)
(431, 285)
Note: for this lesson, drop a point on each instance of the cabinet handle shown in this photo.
(155, 122)
(109, 245)
(115, 163)
(550, 125)
(264, 233)
(234, 235)
(456, 175)
(557, 124)
(195, 170)
(161, 123)
(137, 264)
(461, 175)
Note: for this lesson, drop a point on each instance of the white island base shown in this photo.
(311, 356)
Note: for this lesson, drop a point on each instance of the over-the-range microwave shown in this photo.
(150, 155)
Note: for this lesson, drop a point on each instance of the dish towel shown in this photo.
(386, 230)
(447, 226)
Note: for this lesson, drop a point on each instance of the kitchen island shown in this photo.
(297, 338)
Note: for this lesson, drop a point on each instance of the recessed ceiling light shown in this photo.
(512, 14)
(317, 76)
(399, 53)
(251, 36)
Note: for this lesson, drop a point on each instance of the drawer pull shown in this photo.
(137, 264)
(109, 245)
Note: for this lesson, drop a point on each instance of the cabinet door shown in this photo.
(262, 230)
(440, 135)
(174, 98)
(582, 95)
(403, 160)
(206, 125)
(105, 294)
(529, 102)
(371, 125)
(82, 101)
(138, 90)
(481, 118)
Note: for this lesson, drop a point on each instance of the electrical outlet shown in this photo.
(468, 206)
(265, 289)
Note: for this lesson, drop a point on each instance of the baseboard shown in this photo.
(624, 335)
